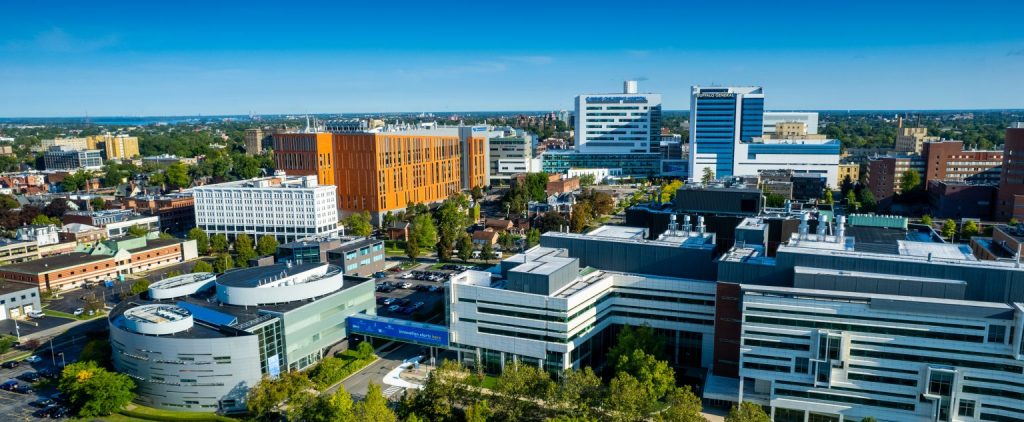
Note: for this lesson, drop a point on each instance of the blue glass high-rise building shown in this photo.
(721, 118)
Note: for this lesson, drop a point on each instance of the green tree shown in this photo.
(358, 224)
(587, 180)
(374, 408)
(683, 406)
(948, 229)
(98, 203)
(867, 200)
(97, 350)
(267, 245)
(1013, 221)
(266, 396)
(774, 200)
(969, 229)
(910, 180)
(201, 238)
(177, 176)
(579, 392)
(580, 218)
(202, 267)
(476, 212)
(244, 250)
(337, 407)
(422, 234)
(747, 412)
(138, 230)
(536, 185)
(532, 238)
(218, 243)
(452, 219)
(8, 202)
(668, 191)
(506, 241)
(487, 251)
(627, 399)
(113, 176)
(445, 390)
(43, 220)
(93, 391)
(6, 343)
(223, 262)
(708, 176)
(926, 220)
(828, 197)
(139, 286)
(478, 412)
(653, 374)
(465, 247)
(632, 338)
(388, 219)
(851, 200)
(518, 388)
(477, 193)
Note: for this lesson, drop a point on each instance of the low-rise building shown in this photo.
(959, 199)
(358, 256)
(14, 251)
(849, 172)
(42, 234)
(198, 343)
(99, 262)
(66, 158)
(17, 301)
(115, 222)
(81, 233)
(485, 237)
(176, 212)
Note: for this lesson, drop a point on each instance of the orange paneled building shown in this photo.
(386, 171)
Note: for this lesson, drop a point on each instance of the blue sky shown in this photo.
(157, 58)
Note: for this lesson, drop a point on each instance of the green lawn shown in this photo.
(148, 413)
(489, 382)
(83, 317)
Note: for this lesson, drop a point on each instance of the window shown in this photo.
(996, 334)
(966, 408)
(941, 383)
(800, 365)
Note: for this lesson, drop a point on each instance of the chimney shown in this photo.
(822, 226)
(700, 224)
(804, 227)
(686, 225)
(840, 229)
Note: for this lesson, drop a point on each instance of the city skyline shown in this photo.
(131, 60)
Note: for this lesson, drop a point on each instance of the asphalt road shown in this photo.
(359, 383)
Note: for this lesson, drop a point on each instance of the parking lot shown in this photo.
(406, 290)
(15, 406)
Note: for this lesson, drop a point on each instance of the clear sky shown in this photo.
(72, 58)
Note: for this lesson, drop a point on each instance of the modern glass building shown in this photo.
(722, 117)
(631, 164)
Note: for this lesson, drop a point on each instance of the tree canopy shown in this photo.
(93, 391)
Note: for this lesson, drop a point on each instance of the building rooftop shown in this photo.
(7, 288)
(278, 181)
(53, 263)
(628, 234)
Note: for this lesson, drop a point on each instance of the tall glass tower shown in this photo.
(721, 118)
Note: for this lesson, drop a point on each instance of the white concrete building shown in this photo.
(288, 208)
(42, 234)
(809, 118)
(552, 310)
(816, 156)
(827, 355)
(600, 174)
(511, 153)
(627, 122)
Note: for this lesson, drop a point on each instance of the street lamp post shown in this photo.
(62, 362)
(53, 356)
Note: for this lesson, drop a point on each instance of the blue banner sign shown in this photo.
(616, 100)
(424, 334)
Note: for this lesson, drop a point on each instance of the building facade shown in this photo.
(618, 123)
(910, 140)
(510, 154)
(198, 342)
(808, 120)
(1011, 181)
(390, 168)
(285, 207)
(720, 118)
(65, 158)
(358, 256)
(254, 141)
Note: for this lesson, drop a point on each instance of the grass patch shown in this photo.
(334, 369)
(489, 382)
(408, 264)
(83, 317)
(150, 414)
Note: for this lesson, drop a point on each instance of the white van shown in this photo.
(36, 314)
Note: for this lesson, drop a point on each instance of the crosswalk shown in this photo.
(392, 391)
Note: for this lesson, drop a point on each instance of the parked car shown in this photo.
(33, 359)
(41, 403)
(36, 314)
(393, 308)
(422, 287)
(380, 274)
(59, 412)
(9, 364)
(406, 285)
(396, 269)
(29, 377)
(8, 385)
(49, 373)
(434, 289)
(389, 300)
(416, 305)
(380, 300)
(22, 389)
(79, 311)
